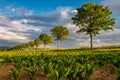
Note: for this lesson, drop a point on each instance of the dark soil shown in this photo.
(106, 72)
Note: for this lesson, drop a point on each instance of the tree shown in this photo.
(24, 45)
(60, 33)
(37, 42)
(92, 18)
(31, 44)
(46, 39)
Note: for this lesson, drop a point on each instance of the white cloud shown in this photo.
(12, 30)
(64, 11)
(13, 9)
(8, 35)
(20, 11)
(5, 30)
(62, 14)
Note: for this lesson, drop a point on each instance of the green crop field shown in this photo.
(62, 64)
(34, 34)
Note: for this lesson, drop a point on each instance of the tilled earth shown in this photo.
(106, 72)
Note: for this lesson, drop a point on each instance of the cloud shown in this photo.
(20, 11)
(61, 16)
(7, 43)
(5, 29)
(31, 26)
(15, 31)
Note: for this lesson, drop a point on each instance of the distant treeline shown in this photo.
(90, 19)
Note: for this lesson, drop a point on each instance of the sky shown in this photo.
(24, 20)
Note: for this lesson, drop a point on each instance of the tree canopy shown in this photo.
(31, 43)
(37, 42)
(59, 33)
(46, 39)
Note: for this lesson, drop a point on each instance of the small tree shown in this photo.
(46, 39)
(31, 44)
(60, 33)
(92, 18)
(37, 42)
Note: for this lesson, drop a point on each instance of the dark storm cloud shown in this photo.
(7, 43)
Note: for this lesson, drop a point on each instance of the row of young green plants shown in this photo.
(69, 51)
(61, 66)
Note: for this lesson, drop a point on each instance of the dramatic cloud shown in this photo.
(5, 32)
(15, 31)
(28, 27)
(61, 16)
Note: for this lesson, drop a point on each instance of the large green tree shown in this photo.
(46, 39)
(60, 33)
(91, 18)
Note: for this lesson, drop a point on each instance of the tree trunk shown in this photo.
(91, 41)
(58, 44)
(44, 45)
